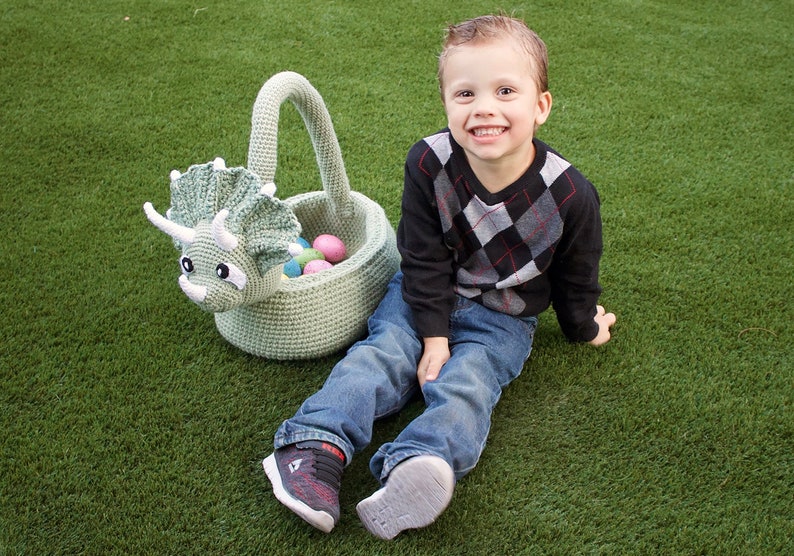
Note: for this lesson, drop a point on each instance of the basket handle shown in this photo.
(262, 150)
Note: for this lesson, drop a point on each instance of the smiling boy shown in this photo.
(495, 98)
(496, 227)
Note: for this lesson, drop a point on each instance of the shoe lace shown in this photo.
(327, 468)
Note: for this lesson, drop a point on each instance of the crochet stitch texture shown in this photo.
(304, 317)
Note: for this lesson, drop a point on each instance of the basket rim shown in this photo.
(378, 230)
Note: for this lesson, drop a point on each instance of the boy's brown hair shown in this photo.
(493, 27)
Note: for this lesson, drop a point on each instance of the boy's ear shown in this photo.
(543, 109)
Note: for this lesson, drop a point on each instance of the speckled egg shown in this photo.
(331, 246)
(292, 268)
(309, 255)
(315, 266)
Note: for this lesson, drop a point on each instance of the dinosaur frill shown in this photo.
(232, 232)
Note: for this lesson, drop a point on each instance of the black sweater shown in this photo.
(535, 243)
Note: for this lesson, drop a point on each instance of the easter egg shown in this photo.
(309, 255)
(303, 243)
(315, 266)
(331, 246)
(292, 268)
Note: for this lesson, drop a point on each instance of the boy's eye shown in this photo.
(505, 91)
(465, 94)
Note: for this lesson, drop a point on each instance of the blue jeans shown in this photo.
(377, 378)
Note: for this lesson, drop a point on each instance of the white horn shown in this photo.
(182, 233)
(218, 164)
(195, 293)
(223, 237)
(268, 189)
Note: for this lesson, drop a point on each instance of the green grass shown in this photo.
(130, 427)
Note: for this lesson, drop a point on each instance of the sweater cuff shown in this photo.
(579, 331)
(587, 332)
(430, 326)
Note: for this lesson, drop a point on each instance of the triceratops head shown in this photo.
(233, 234)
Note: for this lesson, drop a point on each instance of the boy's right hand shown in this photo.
(435, 354)
(605, 321)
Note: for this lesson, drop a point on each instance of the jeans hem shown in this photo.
(390, 462)
(294, 437)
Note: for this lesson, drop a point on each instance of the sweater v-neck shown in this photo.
(522, 182)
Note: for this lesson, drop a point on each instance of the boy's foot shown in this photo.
(416, 493)
(306, 477)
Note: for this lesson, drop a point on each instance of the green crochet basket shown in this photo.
(297, 318)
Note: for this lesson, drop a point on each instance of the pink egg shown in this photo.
(315, 266)
(331, 246)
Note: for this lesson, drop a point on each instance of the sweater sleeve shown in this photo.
(573, 274)
(426, 260)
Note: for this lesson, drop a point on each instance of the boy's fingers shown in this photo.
(608, 318)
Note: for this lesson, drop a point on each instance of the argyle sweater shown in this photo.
(534, 244)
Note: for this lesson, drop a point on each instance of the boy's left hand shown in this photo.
(605, 321)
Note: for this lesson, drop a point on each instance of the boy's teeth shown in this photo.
(483, 131)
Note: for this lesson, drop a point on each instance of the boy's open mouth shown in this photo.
(488, 131)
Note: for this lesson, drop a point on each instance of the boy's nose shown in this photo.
(483, 107)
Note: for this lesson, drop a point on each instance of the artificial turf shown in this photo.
(129, 426)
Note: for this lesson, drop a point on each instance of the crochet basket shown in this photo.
(317, 314)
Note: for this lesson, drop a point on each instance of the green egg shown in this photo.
(309, 254)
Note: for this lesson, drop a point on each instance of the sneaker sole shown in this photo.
(417, 491)
(321, 520)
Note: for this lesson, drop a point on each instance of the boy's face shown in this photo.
(493, 104)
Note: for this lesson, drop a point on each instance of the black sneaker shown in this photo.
(306, 477)
(417, 491)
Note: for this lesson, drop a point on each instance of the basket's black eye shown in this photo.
(186, 264)
(231, 273)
